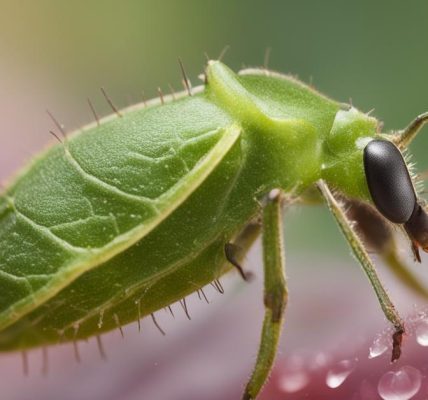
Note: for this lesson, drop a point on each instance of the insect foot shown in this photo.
(231, 252)
(397, 339)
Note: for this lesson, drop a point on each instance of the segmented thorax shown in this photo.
(343, 150)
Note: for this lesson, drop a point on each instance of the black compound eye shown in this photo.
(389, 181)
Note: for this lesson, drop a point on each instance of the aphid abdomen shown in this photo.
(183, 253)
(56, 321)
(146, 202)
(56, 207)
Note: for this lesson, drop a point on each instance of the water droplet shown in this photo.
(422, 332)
(402, 384)
(293, 381)
(379, 346)
(337, 375)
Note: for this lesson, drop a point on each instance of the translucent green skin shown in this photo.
(130, 216)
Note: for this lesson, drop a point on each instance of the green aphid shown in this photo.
(137, 211)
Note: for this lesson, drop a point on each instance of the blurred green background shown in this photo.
(53, 54)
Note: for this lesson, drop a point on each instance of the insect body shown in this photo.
(133, 213)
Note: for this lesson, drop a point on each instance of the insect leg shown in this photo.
(376, 232)
(234, 252)
(275, 295)
(404, 137)
(361, 254)
(231, 252)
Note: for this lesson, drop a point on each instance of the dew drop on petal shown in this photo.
(422, 332)
(401, 384)
(378, 347)
(338, 374)
(293, 381)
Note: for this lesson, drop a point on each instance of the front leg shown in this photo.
(366, 263)
(275, 293)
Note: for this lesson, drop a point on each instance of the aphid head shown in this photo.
(392, 191)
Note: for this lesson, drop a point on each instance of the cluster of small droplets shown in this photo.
(401, 383)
